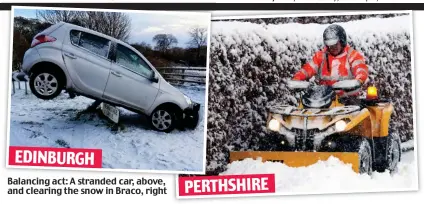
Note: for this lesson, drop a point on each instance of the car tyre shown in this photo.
(46, 84)
(164, 119)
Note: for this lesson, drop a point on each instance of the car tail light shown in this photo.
(42, 39)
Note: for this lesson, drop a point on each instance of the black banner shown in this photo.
(228, 6)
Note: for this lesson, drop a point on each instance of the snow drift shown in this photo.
(331, 176)
(250, 64)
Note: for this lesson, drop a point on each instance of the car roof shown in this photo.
(70, 25)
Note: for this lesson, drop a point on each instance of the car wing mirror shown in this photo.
(154, 78)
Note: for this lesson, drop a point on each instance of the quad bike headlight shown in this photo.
(340, 125)
(274, 125)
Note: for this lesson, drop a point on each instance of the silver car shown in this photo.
(91, 64)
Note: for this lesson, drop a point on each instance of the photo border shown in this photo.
(108, 169)
(414, 187)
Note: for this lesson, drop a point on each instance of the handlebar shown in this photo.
(340, 85)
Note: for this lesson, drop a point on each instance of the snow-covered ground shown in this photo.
(331, 176)
(408, 145)
(58, 123)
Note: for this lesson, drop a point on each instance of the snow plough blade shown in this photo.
(298, 159)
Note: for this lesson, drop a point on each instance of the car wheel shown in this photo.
(46, 84)
(163, 119)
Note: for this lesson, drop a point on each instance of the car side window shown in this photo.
(75, 36)
(131, 60)
(90, 42)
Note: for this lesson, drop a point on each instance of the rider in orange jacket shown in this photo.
(345, 62)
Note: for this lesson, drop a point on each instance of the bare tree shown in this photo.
(164, 42)
(115, 24)
(56, 16)
(198, 38)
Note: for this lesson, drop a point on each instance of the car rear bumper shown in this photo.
(191, 116)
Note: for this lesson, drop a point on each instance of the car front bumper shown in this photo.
(191, 116)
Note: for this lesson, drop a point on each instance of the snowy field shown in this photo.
(59, 123)
(331, 176)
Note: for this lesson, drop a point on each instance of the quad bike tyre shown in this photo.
(46, 84)
(345, 143)
(365, 156)
(392, 154)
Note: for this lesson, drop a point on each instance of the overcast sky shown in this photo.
(145, 25)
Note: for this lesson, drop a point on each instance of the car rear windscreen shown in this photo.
(50, 29)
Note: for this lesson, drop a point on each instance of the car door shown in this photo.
(130, 80)
(86, 58)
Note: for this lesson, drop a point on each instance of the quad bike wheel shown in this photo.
(163, 119)
(347, 143)
(392, 154)
(365, 157)
(46, 84)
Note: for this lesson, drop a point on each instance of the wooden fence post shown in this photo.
(13, 84)
(182, 76)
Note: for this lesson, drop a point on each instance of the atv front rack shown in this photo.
(312, 112)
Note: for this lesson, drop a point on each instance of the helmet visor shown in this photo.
(331, 42)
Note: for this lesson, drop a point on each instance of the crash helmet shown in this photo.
(334, 33)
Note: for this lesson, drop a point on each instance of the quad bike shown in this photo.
(321, 127)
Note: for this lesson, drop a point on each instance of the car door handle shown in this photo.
(116, 73)
(70, 55)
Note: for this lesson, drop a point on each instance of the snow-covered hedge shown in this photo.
(249, 63)
(316, 19)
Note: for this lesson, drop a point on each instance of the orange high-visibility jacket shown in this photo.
(350, 64)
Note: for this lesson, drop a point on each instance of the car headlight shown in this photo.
(274, 125)
(340, 125)
(188, 100)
